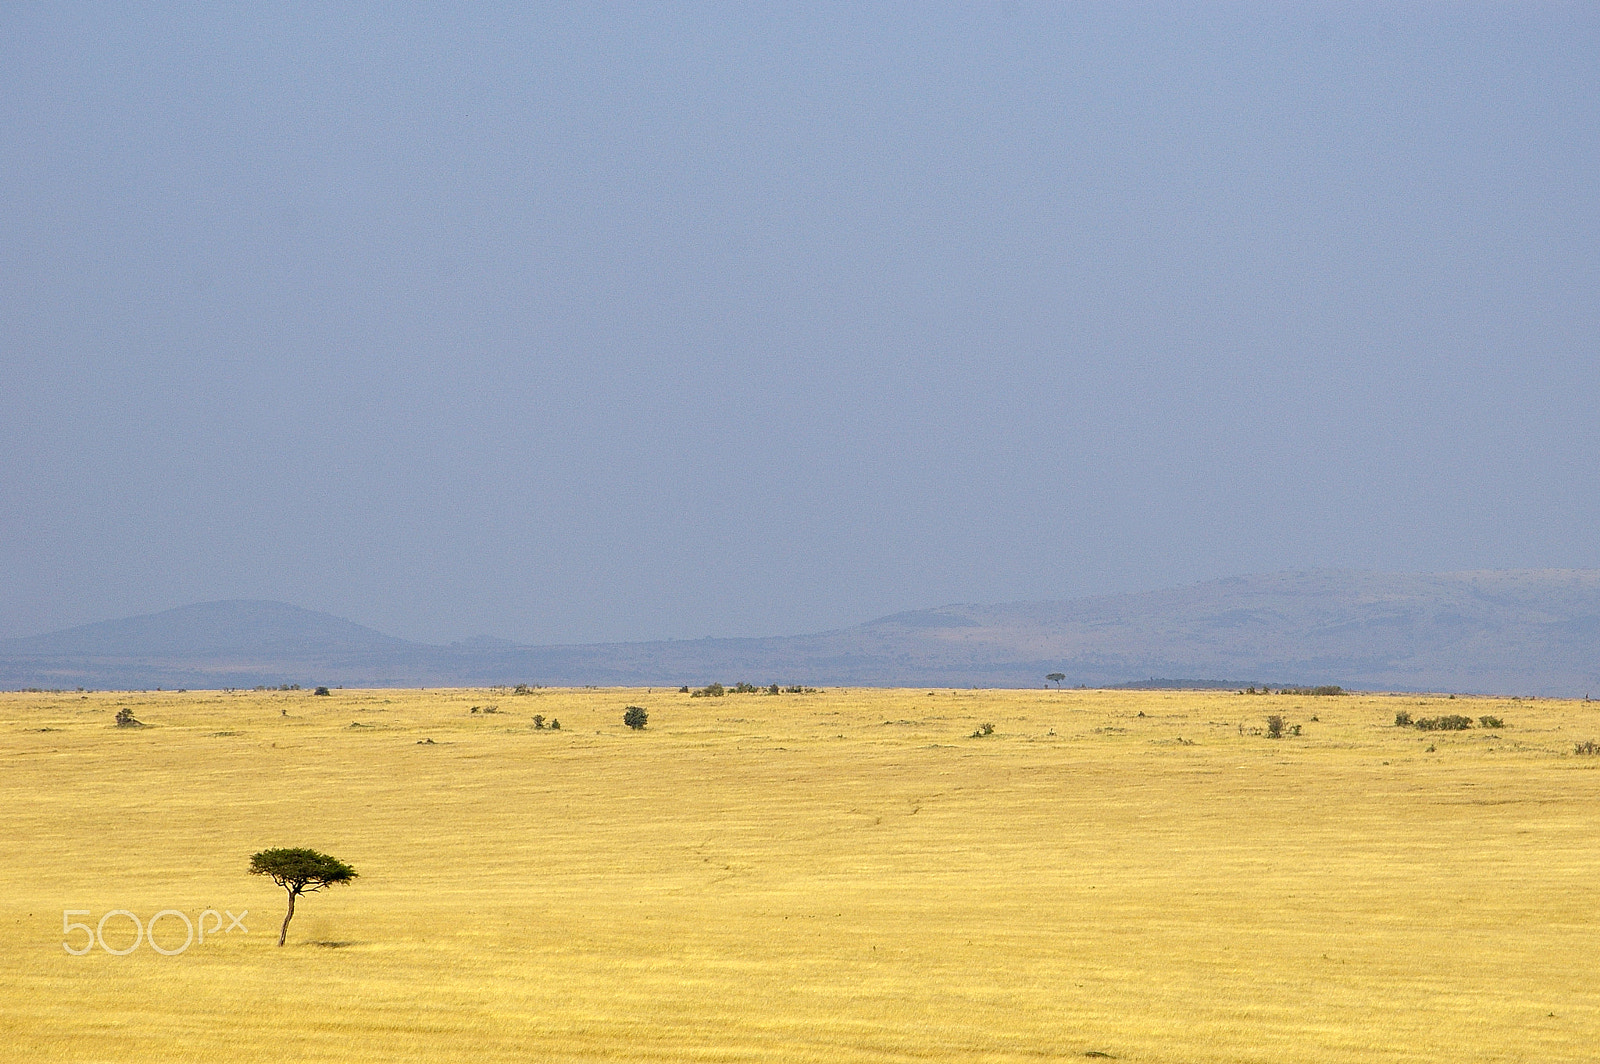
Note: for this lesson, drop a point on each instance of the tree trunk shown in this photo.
(286, 918)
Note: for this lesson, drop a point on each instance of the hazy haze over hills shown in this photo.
(578, 323)
(1509, 631)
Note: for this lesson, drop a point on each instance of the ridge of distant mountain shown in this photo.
(1493, 631)
(206, 629)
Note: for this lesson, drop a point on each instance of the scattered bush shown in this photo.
(1402, 719)
(745, 688)
(125, 719)
(1448, 722)
(1324, 689)
(711, 690)
(684, 689)
(774, 689)
(555, 725)
(636, 718)
(484, 709)
(321, 691)
(523, 689)
(1491, 722)
(1587, 748)
(538, 720)
(983, 729)
(1274, 727)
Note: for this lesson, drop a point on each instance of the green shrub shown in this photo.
(712, 690)
(320, 691)
(1491, 722)
(1402, 719)
(635, 717)
(538, 721)
(745, 688)
(1274, 727)
(1587, 748)
(983, 729)
(555, 725)
(1448, 722)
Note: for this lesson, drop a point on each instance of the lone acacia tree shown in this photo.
(299, 871)
(1056, 678)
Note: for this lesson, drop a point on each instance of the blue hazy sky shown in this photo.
(582, 322)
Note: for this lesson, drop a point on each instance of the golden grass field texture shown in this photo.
(846, 875)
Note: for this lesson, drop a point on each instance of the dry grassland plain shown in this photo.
(839, 876)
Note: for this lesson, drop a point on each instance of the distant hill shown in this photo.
(238, 628)
(1504, 631)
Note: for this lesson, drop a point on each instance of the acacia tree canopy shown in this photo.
(299, 871)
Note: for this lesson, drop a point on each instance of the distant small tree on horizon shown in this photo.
(1056, 678)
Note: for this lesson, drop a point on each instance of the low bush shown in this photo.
(538, 720)
(635, 717)
(983, 729)
(710, 690)
(321, 691)
(1274, 727)
(1491, 722)
(1588, 747)
(1402, 719)
(1448, 722)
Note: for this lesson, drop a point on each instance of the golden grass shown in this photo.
(842, 876)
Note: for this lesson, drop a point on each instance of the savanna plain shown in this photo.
(844, 875)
